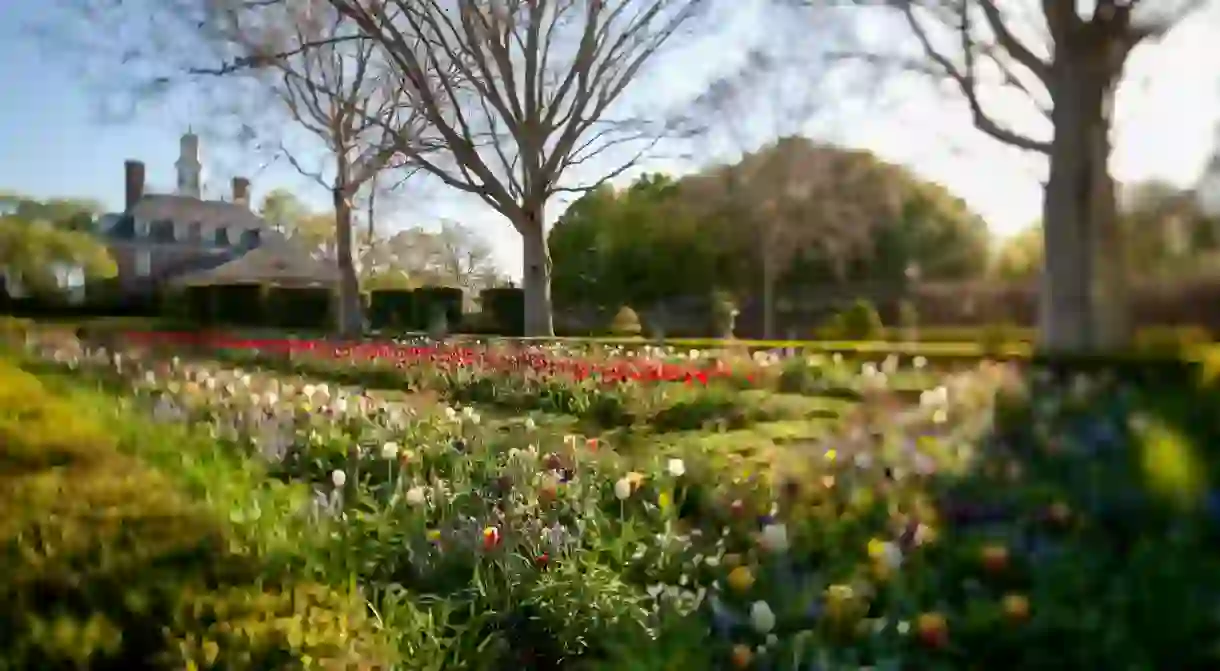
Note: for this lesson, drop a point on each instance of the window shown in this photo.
(141, 228)
(143, 262)
(162, 230)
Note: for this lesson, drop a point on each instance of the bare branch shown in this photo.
(517, 90)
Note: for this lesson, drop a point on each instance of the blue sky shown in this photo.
(53, 141)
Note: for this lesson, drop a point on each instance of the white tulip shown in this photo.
(775, 538)
(762, 617)
(677, 468)
(416, 496)
(338, 477)
(622, 489)
(389, 450)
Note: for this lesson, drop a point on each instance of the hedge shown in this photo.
(258, 306)
(299, 307)
(393, 309)
(429, 299)
(125, 572)
(506, 305)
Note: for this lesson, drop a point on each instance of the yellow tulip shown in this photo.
(741, 579)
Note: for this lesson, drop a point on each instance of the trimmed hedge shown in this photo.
(125, 572)
(299, 307)
(393, 309)
(506, 305)
(258, 306)
(428, 299)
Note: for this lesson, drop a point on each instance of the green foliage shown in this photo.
(433, 302)
(394, 308)
(993, 338)
(660, 238)
(125, 572)
(13, 331)
(299, 307)
(625, 323)
(634, 247)
(908, 317)
(506, 305)
(860, 321)
(236, 304)
(36, 251)
(1171, 340)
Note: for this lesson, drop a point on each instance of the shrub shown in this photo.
(1171, 339)
(908, 319)
(127, 573)
(237, 304)
(506, 305)
(626, 323)
(861, 322)
(993, 338)
(430, 300)
(13, 331)
(299, 307)
(393, 308)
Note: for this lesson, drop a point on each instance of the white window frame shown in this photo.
(142, 228)
(143, 262)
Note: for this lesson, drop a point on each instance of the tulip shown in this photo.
(742, 656)
(932, 629)
(762, 617)
(741, 579)
(622, 489)
(1016, 607)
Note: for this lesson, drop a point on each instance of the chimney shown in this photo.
(241, 191)
(133, 181)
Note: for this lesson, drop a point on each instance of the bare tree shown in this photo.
(257, 61)
(523, 96)
(455, 255)
(1066, 60)
(333, 85)
(464, 256)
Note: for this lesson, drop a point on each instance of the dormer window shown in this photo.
(141, 228)
(250, 239)
(222, 237)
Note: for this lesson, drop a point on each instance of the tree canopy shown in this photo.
(1165, 231)
(660, 237)
(41, 240)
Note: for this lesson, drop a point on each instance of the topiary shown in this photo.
(626, 323)
(861, 322)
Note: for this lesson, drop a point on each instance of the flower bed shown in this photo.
(975, 529)
(107, 565)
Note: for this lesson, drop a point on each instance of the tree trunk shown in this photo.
(350, 320)
(768, 297)
(1084, 304)
(536, 271)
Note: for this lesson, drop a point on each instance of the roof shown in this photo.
(278, 262)
(211, 213)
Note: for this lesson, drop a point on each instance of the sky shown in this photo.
(53, 141)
